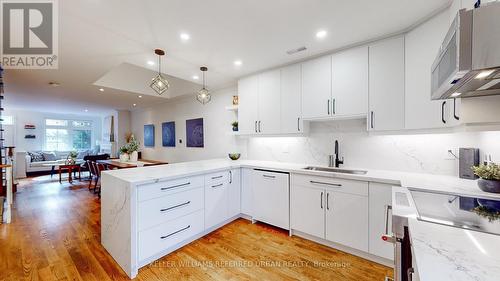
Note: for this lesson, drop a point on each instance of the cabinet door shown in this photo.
(380, 197)
(271, 198)
(307, 210)
(234, 193)
(246, 192)
(347, 219)
(350, 82)
(316, 88)
(291, 121)
(386, 85)
(421, 47)
(269, 102)
(248, 94)
(215, 203)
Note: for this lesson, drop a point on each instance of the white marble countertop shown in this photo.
(410, 180)
(453, 254)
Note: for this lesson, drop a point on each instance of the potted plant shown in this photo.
(235, 126)
(489, 177)
(132, 149)
(71, 159)
(124, 157)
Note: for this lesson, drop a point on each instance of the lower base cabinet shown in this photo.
(246, 192)
(234, 193)
(306, 210)
(380, 199)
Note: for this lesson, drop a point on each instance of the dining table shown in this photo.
(117, 164)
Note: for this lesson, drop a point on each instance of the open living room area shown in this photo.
(250, 140)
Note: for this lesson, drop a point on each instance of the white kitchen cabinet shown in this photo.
(246, 192)
(347, 219)
(291, 111)
(248, 109)
(317, 88)
(307, 213)
(234, 193)
(269, 102)
(215, 203)
(421, 47)
(380, 196)
(350, 83)
(271, 198)
(386, 85)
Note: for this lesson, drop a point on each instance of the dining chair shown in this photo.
(99, 168)
(92, 172)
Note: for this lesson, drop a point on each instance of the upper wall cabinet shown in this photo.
(269, 102)
(248, 111)
(350, 83)
(421, 47)
(291, 109)
(317, 88)
(386, 85)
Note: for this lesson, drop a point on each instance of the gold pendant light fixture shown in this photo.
(159, 84)
(203, 95)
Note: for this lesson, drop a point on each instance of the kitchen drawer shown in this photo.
(166, 208)
(216, 178)
(338, 185)
(163, 188)
(157, 239)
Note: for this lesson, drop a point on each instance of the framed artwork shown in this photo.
(149, 135)
(194, 133)
(168, 134)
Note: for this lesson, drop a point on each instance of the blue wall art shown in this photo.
(149, 135)
(194, 133)
(168, 134)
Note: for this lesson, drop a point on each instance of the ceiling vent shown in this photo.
(294, 51)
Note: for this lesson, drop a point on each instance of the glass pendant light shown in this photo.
(159, 84)
(203, 95)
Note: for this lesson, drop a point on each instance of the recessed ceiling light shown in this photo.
(454, 95)
(185, 36)
(54, 84)
(484, 74)
(101, 90)
(321, 34)
(196, 77)
(150, 62)
(238, 62)
(140, 96)
(86, 110)
(134, 104)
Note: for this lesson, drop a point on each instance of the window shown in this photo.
(65, 135)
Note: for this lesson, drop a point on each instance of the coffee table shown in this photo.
(70, 168)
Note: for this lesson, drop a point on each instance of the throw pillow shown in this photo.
(36, 156)
(49, 156)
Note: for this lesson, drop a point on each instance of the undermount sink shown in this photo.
(335, 170)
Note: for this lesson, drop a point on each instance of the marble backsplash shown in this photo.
(420, 153)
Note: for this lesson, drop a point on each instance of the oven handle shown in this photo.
(386, 236)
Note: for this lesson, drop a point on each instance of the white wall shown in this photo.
(217, 128)
(15, 134)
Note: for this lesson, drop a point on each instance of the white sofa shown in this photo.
(24, 164)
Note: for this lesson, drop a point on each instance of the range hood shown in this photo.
(468, 62)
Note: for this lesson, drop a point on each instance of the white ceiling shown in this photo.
(97, 36)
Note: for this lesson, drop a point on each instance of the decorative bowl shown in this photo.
(234, 156)
(492, 186)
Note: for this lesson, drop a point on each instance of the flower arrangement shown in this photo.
(491, 171)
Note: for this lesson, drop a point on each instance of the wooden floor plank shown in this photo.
(55, 235)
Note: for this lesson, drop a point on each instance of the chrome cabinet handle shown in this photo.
(298, 124)
(386, 218)
(175, 207)
(321, 202)
(327, 201)
(230, 176)
(256, 126)
(259, 127)
(442, 112)
(328, 107)
(269, 177)
(371, 119)
(175, 232)
(333, 107)
(174, 186)
(326, 183)
(217, 185)
(217, 177)
(455, 110)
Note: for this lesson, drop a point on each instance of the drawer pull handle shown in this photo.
(326, 183)
(269, 177)
(174, 207)
(175, 232)
(217, 177)
(174, 186)
(217, 185)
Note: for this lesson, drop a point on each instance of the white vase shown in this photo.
(124, 157)
(134, 156)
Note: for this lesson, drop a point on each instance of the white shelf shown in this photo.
(233, 133)
(232, 108)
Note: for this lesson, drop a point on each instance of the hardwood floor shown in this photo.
(55, 235)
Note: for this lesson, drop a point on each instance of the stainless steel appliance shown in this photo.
(468, 61)
(467, 157)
